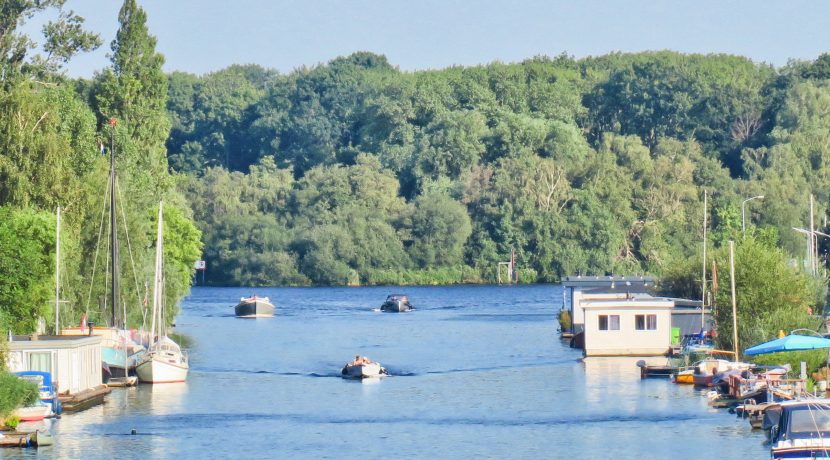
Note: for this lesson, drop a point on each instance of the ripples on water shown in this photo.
(475, 372)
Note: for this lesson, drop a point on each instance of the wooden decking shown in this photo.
(85, 399)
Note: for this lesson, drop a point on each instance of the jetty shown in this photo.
(85, 399)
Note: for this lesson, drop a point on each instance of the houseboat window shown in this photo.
(40, 362)
(609, 322)
(645, 322)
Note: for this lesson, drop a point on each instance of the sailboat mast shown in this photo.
(113, 227)
(703, 284)
(157, 280)
(58, 274)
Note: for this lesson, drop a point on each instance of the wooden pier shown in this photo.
(15, 439)
(85, 399)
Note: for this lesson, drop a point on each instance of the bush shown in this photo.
(14, 393)
(565, 321)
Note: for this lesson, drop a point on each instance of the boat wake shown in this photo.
(229, 419)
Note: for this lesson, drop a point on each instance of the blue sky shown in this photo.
(201, 36)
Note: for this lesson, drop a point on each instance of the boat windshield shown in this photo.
(809, 421)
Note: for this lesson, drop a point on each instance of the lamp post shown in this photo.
(743, 211)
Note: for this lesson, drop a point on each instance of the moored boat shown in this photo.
(799, 429)
(685, 377)
(46, 392)
(164, 363)
(396, 303)
(33, 413)
(254, 307)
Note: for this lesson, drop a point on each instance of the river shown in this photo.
(477, 371)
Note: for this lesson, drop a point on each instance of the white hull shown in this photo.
(363, 371)
(33, 413)
(158, 369)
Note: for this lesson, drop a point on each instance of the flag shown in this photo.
(83, 322)
(714, 277)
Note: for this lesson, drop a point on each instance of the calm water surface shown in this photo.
(476, 372)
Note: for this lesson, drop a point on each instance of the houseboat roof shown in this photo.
(641, 302)
(611, 280)
(19, 342)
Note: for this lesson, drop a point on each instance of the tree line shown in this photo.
(356, 172)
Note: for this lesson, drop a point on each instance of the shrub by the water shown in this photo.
(14, 393)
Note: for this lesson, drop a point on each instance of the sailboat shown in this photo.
(164, 362)
(119, 351)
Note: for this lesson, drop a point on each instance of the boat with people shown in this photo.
(799, 429)
(362, 367)
(396, 303)
(254, 307)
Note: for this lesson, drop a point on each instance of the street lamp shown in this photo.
(743, 211)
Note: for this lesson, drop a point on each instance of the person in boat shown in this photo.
(366, 360)
(357, 361)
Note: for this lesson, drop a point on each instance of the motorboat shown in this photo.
(362, 370)
(46, 392)
(799, 429)
(656, 370)
(34, 413)
(684, 377)
(396, 303)
(254, 307)
(164, 363)
(706, 370)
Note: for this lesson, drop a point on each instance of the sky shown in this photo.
(201, 36)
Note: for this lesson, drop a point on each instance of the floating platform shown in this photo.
(19, 439)
(121, 382)
(85, 399)
(13, 439)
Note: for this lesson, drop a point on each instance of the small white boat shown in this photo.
(42, 438)
(365, 370)
(164, 363)
(33, 413)
(254, 307)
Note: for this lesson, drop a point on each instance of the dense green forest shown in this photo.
(355, 172)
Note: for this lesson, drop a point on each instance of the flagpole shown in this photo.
(734, 304)
(703, 284)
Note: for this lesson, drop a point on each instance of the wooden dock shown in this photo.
(85, 399)
(15, 439)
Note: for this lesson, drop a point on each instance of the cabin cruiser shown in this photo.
(362, 368)
(254, 307)
(799, 429)
(396, 303)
